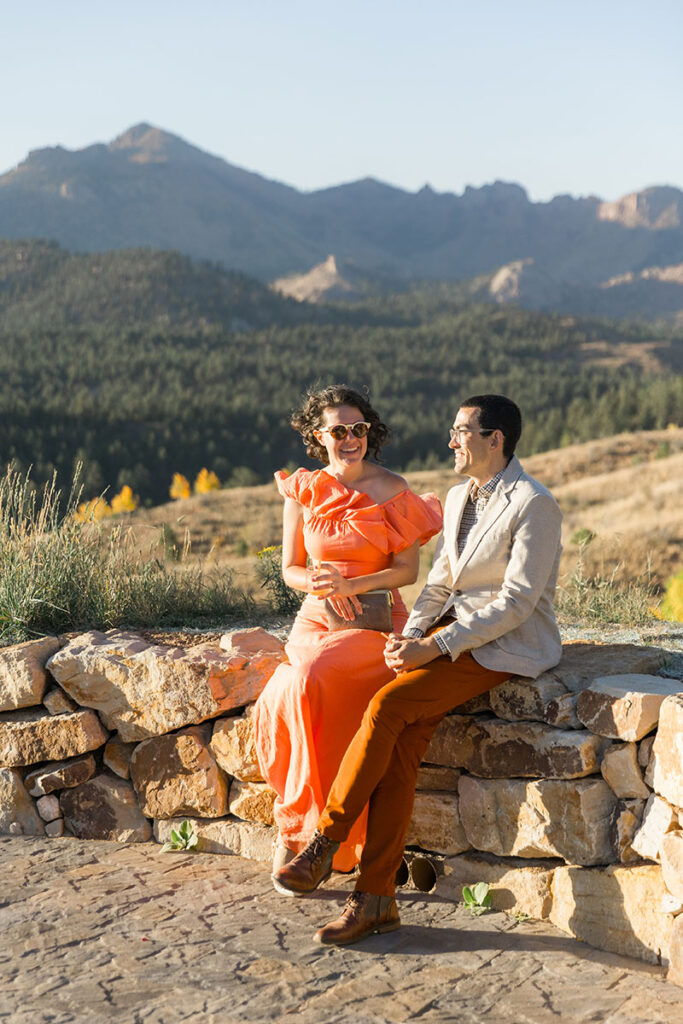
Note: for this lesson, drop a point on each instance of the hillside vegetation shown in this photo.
(140, 365)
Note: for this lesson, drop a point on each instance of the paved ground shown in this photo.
(95, 932)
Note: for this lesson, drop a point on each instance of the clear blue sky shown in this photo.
(576, 96)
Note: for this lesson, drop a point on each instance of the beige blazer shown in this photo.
(501, 585)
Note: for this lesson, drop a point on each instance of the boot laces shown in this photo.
(317, 847)
(355, 901)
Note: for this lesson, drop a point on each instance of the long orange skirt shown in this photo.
(308, 714)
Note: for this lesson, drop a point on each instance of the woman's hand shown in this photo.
(327, 581)
(346, 607)
(403, 653)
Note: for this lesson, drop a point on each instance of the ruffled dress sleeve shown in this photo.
(300, 485)
(390, 526)
(411, 517)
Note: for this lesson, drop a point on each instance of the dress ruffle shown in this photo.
(391, 526)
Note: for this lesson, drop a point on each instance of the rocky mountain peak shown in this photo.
(145, 143)
(655, 208)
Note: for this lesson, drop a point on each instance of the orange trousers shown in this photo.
(380, 765)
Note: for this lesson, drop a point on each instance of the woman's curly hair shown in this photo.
(309, 418)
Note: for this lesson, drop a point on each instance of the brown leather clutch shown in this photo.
(376, 613)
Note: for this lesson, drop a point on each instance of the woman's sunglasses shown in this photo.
(340, 431)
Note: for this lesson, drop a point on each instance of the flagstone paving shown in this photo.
(96, 932)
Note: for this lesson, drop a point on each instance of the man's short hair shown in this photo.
(498, 413)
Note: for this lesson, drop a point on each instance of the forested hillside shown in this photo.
(140, 365)
(44, 285)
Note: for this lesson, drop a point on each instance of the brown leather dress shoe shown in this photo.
(309, 868)
(363, 914)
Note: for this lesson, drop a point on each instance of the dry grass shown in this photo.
(627, 490)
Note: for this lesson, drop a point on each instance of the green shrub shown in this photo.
(58, 574)
(601, 599)
(284, 600)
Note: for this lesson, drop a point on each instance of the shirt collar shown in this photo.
(487, 489)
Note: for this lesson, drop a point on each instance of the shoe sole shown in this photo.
(389, 926)
(297, 892)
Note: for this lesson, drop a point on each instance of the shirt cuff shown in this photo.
(415, 633)
(441, 644)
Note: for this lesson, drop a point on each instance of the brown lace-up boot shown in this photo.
(363, 914)
(308, 869)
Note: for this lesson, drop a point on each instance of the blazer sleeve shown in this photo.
(534, 546)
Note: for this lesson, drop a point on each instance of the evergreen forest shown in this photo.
(141, 364)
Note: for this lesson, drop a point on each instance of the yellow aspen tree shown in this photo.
(124, 501)
(206, 481)
(180, 487)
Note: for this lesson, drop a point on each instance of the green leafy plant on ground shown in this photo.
(477, 898)
(602, 599)
(284, 600)
(184, 838)
(59, 574)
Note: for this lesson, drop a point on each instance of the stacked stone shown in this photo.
(107, 736)
(565, 793)
(567, 802)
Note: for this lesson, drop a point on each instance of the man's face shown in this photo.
(472, 449)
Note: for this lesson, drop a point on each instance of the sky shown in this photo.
(573, 97)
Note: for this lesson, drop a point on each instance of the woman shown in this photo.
(361, 527)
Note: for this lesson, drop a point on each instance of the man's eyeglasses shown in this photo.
(340, 431)
(457, 433)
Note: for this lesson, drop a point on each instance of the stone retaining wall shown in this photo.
(564, 793)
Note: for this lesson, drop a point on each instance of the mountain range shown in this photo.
(151, 188)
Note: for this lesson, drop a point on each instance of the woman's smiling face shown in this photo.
(350, 450)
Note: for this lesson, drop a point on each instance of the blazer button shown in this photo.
(457, 593)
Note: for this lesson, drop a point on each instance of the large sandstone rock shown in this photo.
(145, 690)
(436, 776)
(435, 824)
(104, 808)
(22, 672)
(671, 855)
(519, 699)
(18, 814)
(62, 775)
(451, 744)
(659, 817)
(583, 663)
(234, 748)
(28, 737)
(225, 835)
(666, 766)
(254, 643)
(614, 908)
(178, 774)
(621, 772)
(252, 801)
(492, 748)
(517, 885)
(544, 818)
(624, 707)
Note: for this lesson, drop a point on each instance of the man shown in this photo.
(485, 613)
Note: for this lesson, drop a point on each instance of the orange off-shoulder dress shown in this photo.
(313, 704)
